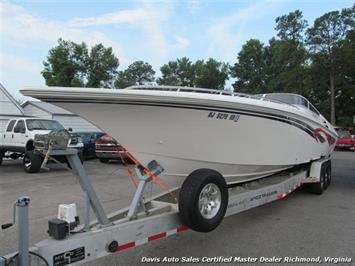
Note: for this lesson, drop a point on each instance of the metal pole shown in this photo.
(86, 185)
(23, 242)
(137, 203)
(87, 212)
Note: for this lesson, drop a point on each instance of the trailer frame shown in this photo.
(149, 220)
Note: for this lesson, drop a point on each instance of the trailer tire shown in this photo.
(32, 162)
(203, 200)
(319, 187)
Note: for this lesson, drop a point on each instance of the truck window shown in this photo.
(42, 124)
(20, 127)
(10, 126)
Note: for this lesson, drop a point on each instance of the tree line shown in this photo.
(316, 61)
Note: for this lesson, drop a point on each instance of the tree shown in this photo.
(66, 64)
(250, 69)
(345, 81)
(211, 74)
(178, 73)
(286, 57)
(291, 26)
(102, 66)
(70, 64)
(325, 39)
(138, 73)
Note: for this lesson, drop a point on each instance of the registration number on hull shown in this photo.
(223, 116)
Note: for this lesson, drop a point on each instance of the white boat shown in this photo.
(240, 136)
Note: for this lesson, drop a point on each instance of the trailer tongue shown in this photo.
(145, 220)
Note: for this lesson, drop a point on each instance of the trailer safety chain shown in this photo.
(34, 259)
(146, 171)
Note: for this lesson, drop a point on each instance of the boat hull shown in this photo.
(242, 146)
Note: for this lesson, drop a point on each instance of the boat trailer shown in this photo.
(145, 220)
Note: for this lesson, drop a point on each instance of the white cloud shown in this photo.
(19, 25)
(194, 6)
(227, 35)
(181, 42)
(150, 17)
(9, 62)
(133, 16)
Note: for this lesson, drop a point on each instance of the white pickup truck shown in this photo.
(18, 140)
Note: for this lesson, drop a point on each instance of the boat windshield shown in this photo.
(292, 99)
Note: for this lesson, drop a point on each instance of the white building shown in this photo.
(66, 118)
(9, 108)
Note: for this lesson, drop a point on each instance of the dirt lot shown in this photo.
(301, 225)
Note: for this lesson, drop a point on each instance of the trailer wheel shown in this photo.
(203, 200)
(32, 162)
(319, 187)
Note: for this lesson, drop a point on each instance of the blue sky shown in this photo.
(153, 31)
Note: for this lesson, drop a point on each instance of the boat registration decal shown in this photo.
(224, 116)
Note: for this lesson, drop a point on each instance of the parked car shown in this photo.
(89, 140)
(107, 148)
(345, 140)
(18, 140)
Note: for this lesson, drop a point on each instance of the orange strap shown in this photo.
(129, 171)
(151, 175)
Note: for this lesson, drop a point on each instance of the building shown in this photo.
(9, 108)
(66, 118)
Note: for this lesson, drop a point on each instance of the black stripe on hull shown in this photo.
(280, 118)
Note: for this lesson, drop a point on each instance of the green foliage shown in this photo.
(138, 73)
(102, 67)
(66, 64)
(286, 66)
(178, 73)
(325, 39)
(250, 69)
(183, 72)
(291, 26)
(71, 65)
(211, 74)
(319, 66)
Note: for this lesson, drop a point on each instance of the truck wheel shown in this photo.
(32, 162)
(103, 160)
(329, 173)
(203, 200)
(318, 188)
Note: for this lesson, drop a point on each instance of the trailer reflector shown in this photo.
(151, 238)
(283, 195)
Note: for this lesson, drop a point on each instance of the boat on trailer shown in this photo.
(208, 139)
(243, 137)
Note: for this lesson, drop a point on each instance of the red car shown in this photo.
(107, 148)
(345, 140)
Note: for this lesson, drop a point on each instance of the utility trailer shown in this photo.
(146, 220)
